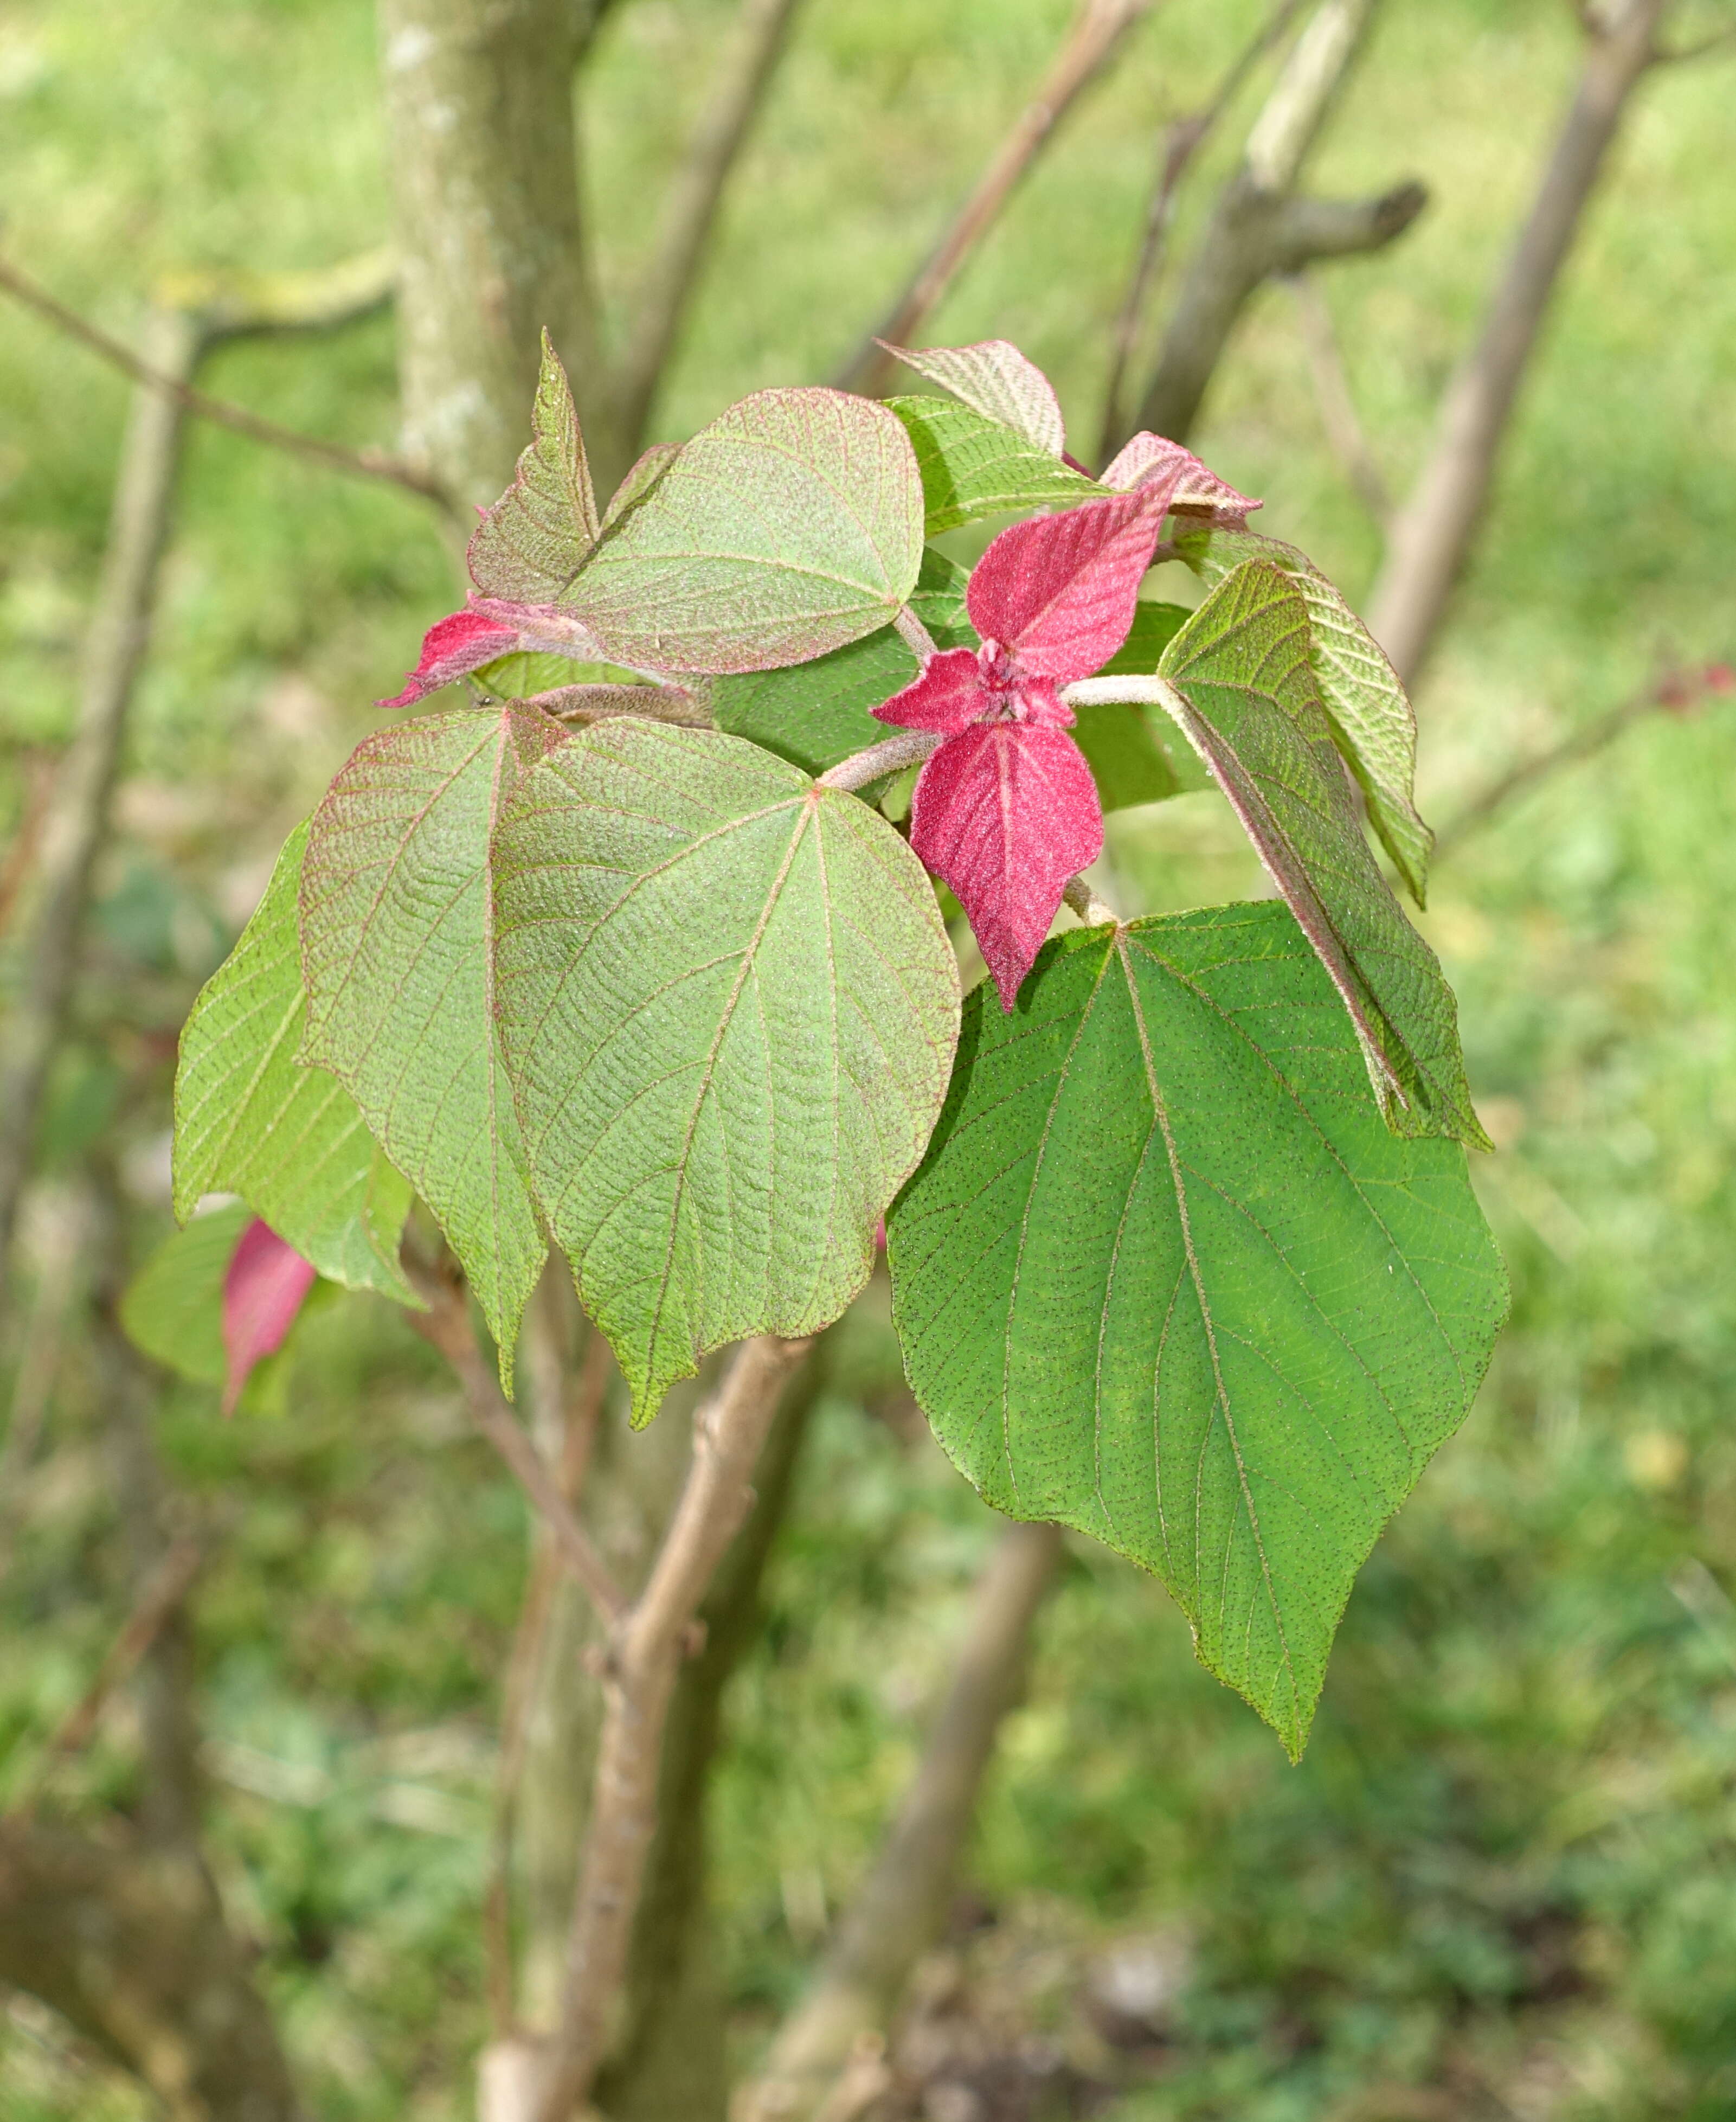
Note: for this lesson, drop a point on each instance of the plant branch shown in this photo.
(696, 197)
(915, 635)
(1678, 693)
(891, 755)
(446, 1325)
(355, 463)
(728, 1433)
(900, 1909)
(1333, 394)
(1181, 141)
(1097, 28)
(1434, 530)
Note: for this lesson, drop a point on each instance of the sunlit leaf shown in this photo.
(994, 379)
(729, 1006)
(1164, 1276)
(533, 541)
(973, 466)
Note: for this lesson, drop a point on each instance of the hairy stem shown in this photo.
(891, 755)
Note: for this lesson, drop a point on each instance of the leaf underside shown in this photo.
(250, 1120)
(1243, 693)
(973, 466)
(1165, 1276)
(1372, 719)
(532, 542)
(790, 525)
(396, 928)
(994, 379)
(730, 1008)
(173, 1308)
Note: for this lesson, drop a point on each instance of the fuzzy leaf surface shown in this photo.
(1163, 1276)
(1194, 488)
(814, 714)
(397, 934)
(790, 525)
(973, 466)
(250, 1120)
(1372, 720)
(533, 540)
(994, 379)
(730, 1008)
(1242, 689)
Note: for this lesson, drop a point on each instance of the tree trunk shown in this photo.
(1434, 530)
(480, 100)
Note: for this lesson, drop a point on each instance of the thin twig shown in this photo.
(158, 1597)
(728, 1433)
(1098, 27)
(357, 464)
(1344, 430)
(695, 198)
(1678, 693)
(446, 1325)
(1181, 141)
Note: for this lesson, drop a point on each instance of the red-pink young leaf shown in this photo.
(948, 696)
(263, 1291)
(1059, 591)
(1150, 459)
(994, 379)
(486, 629)
(1005, 813)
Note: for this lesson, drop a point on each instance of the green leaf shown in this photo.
(792, 525)
(527, 672)
(973, 466)
(533, 541)
(1372, 720)
(1134, 756)
(397, 929)
(729, 1006)
(814, 714)
(643, 475)
(173, 1309)
(1165, 1276)
(1154, 626)
(1242, 691)
(250, 1120)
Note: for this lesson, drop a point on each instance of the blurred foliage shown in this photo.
(1504, 1880)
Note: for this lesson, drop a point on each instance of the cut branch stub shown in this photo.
(973, 466)
(790, 525)
(397, 920)
(1240, 686)
(289, 1140)
(1370, 713)
(1165, 1278)
(533, 540)
(729, 1006)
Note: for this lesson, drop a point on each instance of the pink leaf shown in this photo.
(948, 695)
(994, 379)
(488, 629)
(1149, 461)
(1059, 591)
(1005, 813)
(263, 1291)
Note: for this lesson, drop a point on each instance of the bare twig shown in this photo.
(1337, 406)
(1433, 530)
(728, 1433)
(158, 1597)
(695, 199)
(1181, 141)
(446, 1325)
(1097, 28)
(357, 464)
(901, 1907)
(1678, 693)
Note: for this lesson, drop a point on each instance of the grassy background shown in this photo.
(1504, 1882)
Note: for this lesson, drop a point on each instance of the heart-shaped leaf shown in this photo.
(788, 526)
(973, 466)
(1372, 720)
(729, 1006)
(1243, 690)
(1165, 1276)
(250, 1120)
(397, 930)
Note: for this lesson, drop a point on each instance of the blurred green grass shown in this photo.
(1508, 1866)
